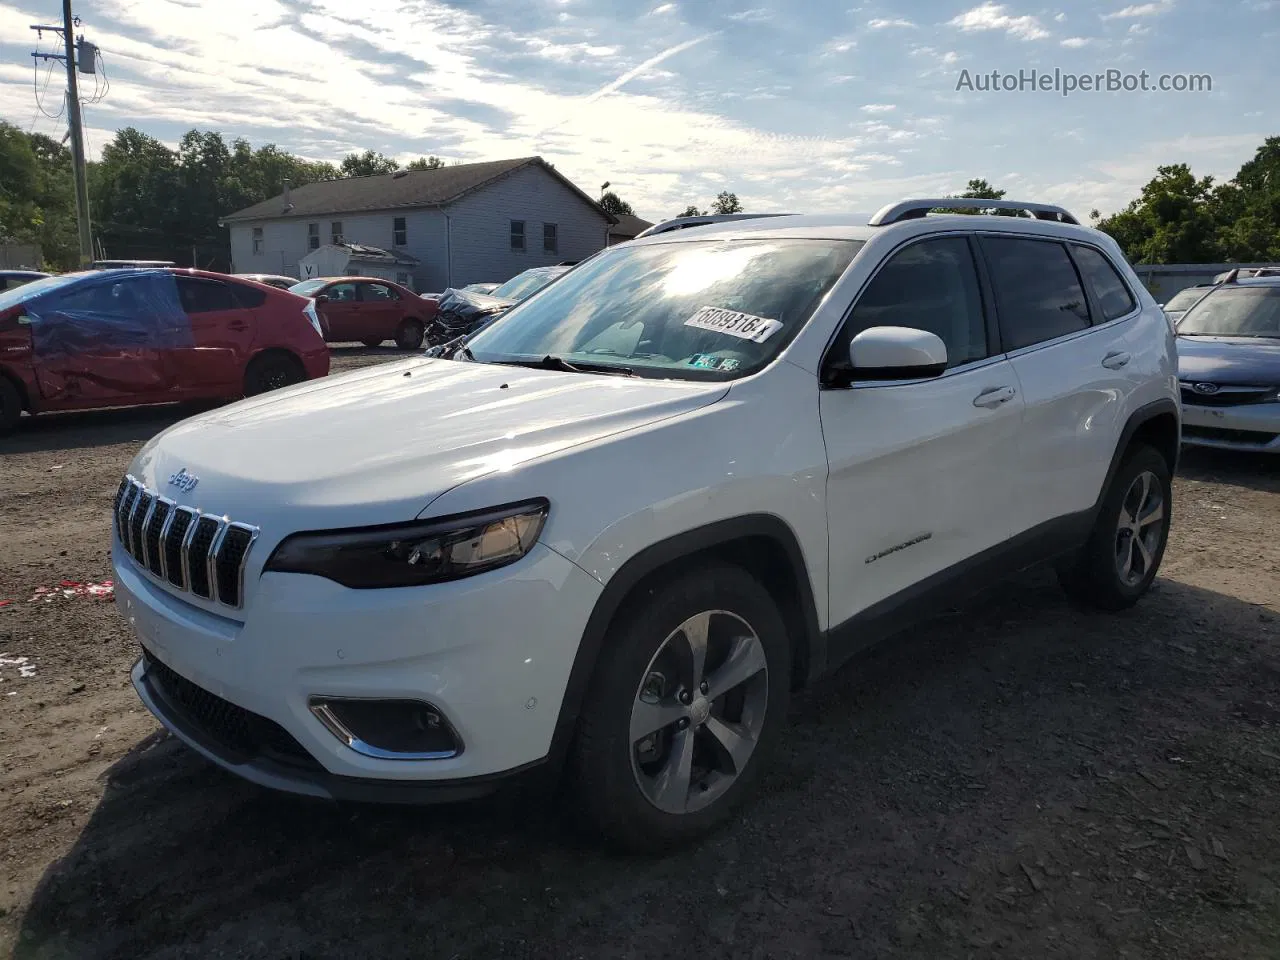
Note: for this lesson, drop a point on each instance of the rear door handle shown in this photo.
(994, 397)
(1115, 359)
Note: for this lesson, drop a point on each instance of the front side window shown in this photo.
(1232, 311)
(1038, 294)
(341, 293)
(1111, 292)
(933, 286)
(399, 232)
(313, 236)
(257, 239)
(335, 232)
(700, 310)
(550, 240)
(517, 234)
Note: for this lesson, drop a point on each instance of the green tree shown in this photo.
(692, 211)
(425, 163)
(726, 202)
(367, 164)
(612, 203)
(1174, 220)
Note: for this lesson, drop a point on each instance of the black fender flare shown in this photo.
(667, 553)
(1143, 415)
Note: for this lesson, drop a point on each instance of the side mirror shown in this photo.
(323, 298)
(23, 320)
(896, 353)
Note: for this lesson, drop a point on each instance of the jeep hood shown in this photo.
(378, 445)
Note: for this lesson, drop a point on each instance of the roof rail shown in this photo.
(679, 223)
(914, 209)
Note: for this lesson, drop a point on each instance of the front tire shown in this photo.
(409, 334)
(10, 406)
(1119, 562)
(271, 371)
(371, 342)
(684, 709)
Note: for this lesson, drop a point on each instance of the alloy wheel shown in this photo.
(698, 712)
(1140, 528)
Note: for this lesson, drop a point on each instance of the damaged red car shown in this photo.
(125, 337)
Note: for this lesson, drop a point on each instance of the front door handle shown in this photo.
(994, 397)
(1115, 359)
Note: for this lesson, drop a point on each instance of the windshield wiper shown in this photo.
(553, 362)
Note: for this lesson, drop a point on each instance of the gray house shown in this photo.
(455, 225)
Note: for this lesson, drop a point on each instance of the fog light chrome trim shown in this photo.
(319, 706)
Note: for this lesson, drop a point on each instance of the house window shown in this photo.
(399, 232)
(313, 236)
(257, 240)
(517, 234)
(550, 242)
(402, 279)
(335, 231)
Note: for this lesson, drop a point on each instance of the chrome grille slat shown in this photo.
(190, 551)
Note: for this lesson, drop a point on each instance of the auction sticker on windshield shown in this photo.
(741, 325)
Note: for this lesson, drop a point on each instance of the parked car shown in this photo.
(11, 279)
(481, 287)
(1229, 366)
(644, 506)
(270, 279)
(124, 337)
(369, 310)
(463, 312)
(1185, 299)
(130, 264)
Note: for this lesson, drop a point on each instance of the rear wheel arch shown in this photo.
(268, 355)
(761, 544)
(1154, 425)
(24, 395)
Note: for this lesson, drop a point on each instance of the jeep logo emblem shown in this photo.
(186, 482)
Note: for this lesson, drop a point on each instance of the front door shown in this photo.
(105, 340)
(919, 471)
(339, 312)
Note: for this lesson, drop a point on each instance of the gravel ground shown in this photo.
(1014, 779)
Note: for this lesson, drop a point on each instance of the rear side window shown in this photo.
(933, 286)
(1111, 292)
(1038, 293)
(204, 296)
(247, 296)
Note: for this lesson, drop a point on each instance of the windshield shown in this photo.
(1233, 311)
(523, 285)
(36, 288)
(709, 309)
(1185, 299)
(307, 287)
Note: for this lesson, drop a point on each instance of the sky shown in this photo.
(801, 107)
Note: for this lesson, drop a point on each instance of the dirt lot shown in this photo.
(1017, 779)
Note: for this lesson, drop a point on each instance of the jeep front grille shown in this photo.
(196, 552)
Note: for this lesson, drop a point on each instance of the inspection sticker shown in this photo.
(741, 325)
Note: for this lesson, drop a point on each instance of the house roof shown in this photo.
(629, 226)
(405, 188)
(363, 253)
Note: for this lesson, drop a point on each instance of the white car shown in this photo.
(634, 514)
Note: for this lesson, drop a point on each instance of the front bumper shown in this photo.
(493, 653)
(1253, 427)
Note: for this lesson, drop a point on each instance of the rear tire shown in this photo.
(271, 371)
(714, 726)
(1123, 553)
(409, 334)
(10, 405)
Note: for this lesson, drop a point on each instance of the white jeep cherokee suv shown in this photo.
(625, 521)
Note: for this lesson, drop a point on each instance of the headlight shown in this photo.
(411, 554)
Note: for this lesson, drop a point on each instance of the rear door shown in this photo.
(380, 311)
(919, 471)
(339, 311)
(106, 340)
(1070, 372)
(222, 333)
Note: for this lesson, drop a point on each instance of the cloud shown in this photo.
(880, 24)
(754, 15)
(1076, 42)
(663, 8)
(1140, 10)
(649, 64)
(878, 108)
(992, 16)
(1059, 17)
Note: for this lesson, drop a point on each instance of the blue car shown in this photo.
(1229, 366)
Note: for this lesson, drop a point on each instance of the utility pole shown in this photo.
(75, 123)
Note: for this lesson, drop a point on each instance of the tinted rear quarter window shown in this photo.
(247, 296)
(204, 296)
(1038, 293)
(1112, 293)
